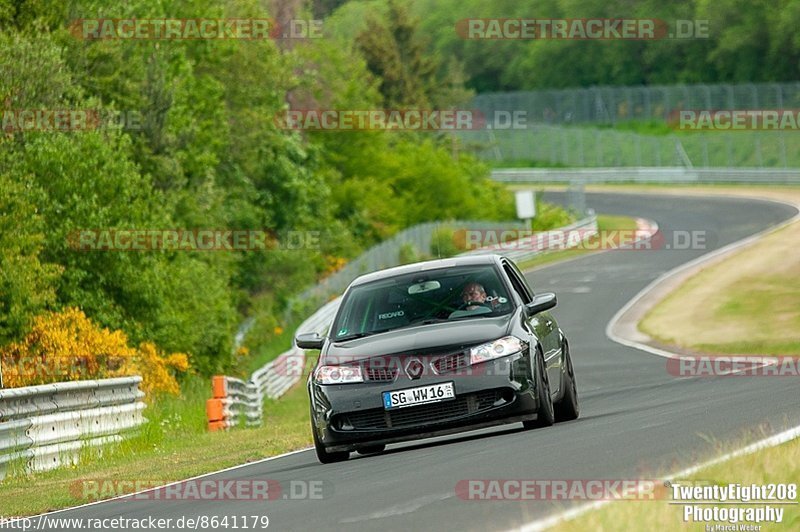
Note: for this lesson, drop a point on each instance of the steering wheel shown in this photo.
(474, 304)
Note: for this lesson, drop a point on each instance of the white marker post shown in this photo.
(526, 206)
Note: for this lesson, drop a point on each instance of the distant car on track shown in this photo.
(435, 348)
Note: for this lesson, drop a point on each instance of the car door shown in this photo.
(543, 324)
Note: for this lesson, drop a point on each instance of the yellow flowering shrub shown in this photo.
(333, 264)
(66, 345)
(157, 371)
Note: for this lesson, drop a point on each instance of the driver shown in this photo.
(473, 295)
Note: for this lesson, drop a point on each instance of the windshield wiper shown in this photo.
(470, 317)
(370, 333)
(427, 321)
(356, 335)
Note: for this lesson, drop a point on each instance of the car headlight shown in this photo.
(499, 348)
(338, 375)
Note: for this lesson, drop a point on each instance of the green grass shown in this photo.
(750, 303)
(647, 127)
(523, 163)
(638, 144)
(776, 465)
(271, 348)
(759, 301)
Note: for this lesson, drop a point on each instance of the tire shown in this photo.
(545, 415)
(568, 408)
(324, 456)
(371, 449)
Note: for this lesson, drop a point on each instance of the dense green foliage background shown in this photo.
(749, 41)
(208, 155)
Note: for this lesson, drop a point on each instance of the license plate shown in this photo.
(418, 396)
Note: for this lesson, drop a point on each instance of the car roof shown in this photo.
(463, 260)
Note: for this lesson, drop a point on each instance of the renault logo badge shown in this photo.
(414, 369)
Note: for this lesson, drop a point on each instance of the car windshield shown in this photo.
(445, 294)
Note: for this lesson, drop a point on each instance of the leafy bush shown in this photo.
(409, 253)
(66, 345)
(442, 242)
(549, 216)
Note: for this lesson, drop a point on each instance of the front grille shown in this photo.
(450, 362)
(381, 374)
(377, 418)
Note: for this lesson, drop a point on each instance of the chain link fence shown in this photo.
(593, 147)
(610, 105)
(571, 127)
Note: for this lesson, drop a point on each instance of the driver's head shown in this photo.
(473, 292)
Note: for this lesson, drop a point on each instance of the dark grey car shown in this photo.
(410, 355)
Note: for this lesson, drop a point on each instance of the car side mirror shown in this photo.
(541, 302)
(309, 341)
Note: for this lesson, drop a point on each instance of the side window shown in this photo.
(522, 280)
(519, 286)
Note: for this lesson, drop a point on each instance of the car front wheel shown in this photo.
(567, 408)
(544, 415)
(325, 456)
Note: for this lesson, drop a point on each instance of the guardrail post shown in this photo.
(219, 387)
(215, 411)
(215, 407)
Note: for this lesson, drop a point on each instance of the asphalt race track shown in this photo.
(637, 420)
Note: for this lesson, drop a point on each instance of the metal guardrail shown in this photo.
(243, 401)
(235, 399)
(418, 239)
(274, 378)
(539, 242)
(45, 426)
(766, 176)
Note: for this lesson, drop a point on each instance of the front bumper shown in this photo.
(347, 417)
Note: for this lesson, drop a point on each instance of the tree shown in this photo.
(27, 286)
(397, 57)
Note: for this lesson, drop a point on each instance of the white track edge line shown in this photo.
(771, 441)
(680, 269)
(127, 495)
